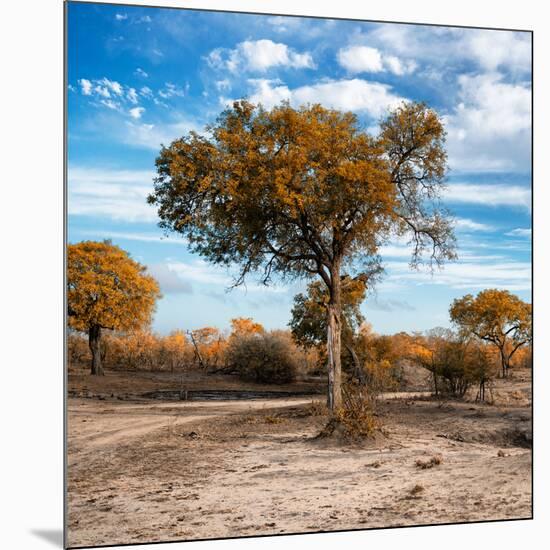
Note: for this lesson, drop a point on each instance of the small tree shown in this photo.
(106, 290)
(495, 316)
(305, 193)
(175, 347)
(309, 319)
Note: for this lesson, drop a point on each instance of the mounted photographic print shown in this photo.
(298, 274)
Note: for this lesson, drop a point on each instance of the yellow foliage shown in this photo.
(245, 325)
(106, 288)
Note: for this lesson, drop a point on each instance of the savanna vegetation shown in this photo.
(294, 194)
(299, 193)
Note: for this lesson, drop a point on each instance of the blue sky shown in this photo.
(139, 77)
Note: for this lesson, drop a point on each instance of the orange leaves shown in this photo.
(245, 325)
(495, 316)
(300, 191)
(107, 288)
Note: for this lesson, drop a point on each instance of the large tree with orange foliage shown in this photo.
(495, 316)
(307, 193)
(107, 290)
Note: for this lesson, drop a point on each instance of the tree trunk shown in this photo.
(334, 349)
(504, 363)
(358, 371)
(94, 340)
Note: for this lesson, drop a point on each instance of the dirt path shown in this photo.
(92, 425)
(143, 471)
(136, 419)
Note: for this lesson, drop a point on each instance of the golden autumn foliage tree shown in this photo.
(245, 325)
(307, 193)
(175, 347)
(106, 290)
(209, 345)
(495, 316)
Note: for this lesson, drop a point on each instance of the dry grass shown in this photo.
(317, 408)
(426, 464)
(270, 419)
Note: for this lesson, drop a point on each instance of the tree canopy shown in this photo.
(306, 192)
(495, 316)
(107, 290)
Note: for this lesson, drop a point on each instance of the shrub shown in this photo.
(456, 364)
(262, 357)
(357, 414)
(356, 418)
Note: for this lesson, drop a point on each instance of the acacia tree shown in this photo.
(495, 316)
(304, 193)
(106, 290)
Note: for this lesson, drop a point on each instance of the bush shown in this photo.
(356, 419)
(266, 358)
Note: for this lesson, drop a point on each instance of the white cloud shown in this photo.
(490, 129)
(102, 91)
(112, 85)
(111, 93)
(399, 66)
(279, 23)
(121, 17)
(395, 251)
(204, 273)
(86, 86)
(223, 85)
(446, 47)
(140, 72)
(151, 136)
(358, 95)
(364, 59)
(170, 282)
(499, 49)
(511, 275)
(136, 112)
(259, 55)
(171, 90)
(520, 232)
(469, 225)
(132, 96)
(113, 194)
(513, 196)
(359, 59)
(131, 236)
(199, 271)
(109, 103)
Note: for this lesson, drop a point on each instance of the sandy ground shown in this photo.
(149, 471)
